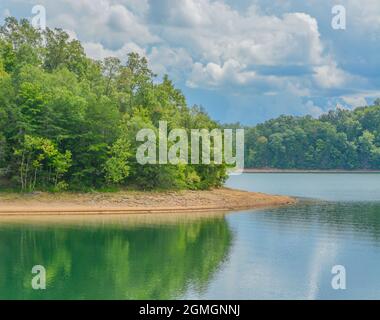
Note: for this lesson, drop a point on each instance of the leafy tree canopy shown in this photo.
(340, 139)
(68, 121)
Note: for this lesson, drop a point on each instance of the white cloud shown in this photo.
(312, 109)
(204, 43)
(107, 22)
(216, 33)
(228, 46)
(330, 76)
(215, 75)
(355, 101)
(174, 61)
(139, 7)
(297, 87)
(98, 52)
(365, 15)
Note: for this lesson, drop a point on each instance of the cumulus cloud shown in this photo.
(312, 109)
(214, 75)
(228, 47)
(365, 15)
(139, 7)
(204, 43)
(216, 33)
(108, 22)
(174, 61)
(98, 52)
(280, 51)
(355, 101)
(330, 76)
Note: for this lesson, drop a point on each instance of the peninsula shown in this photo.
(133, 202)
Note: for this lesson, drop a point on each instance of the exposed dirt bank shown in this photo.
(136, 202)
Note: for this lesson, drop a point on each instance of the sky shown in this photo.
(244, 61)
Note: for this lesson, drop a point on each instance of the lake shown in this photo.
(279, 253)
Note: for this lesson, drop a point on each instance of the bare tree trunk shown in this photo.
(56, 179)
(26, 173)
(35, 179)
(21, 171)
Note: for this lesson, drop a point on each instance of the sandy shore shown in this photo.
(130, 202)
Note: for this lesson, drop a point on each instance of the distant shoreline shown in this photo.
(131, 202)
(269, 170)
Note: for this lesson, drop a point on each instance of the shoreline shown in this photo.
(132, 202)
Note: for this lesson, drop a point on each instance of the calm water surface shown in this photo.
(281, 253)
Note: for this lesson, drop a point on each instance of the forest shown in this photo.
(339, 139)
(68, 122)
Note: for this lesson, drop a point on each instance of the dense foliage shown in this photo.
(67, 121)
(133, 260)
(341, 139)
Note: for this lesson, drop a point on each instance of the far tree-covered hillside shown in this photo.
(341, 139)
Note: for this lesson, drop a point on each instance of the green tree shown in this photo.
(117, 168)
(62, 52)
(40, 163)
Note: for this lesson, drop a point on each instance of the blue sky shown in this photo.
(243, 60)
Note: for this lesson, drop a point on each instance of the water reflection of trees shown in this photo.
(352, 217)
(112, 262)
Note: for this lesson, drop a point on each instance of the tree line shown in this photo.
(340, 139)
(70, 122)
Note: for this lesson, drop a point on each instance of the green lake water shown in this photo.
(280, 253)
